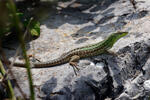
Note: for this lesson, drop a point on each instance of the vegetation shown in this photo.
(13, 22)
(7, 24)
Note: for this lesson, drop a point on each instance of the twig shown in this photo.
(133, 3)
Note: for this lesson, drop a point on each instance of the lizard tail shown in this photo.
(48, 64)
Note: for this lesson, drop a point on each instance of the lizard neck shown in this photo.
(110, 41)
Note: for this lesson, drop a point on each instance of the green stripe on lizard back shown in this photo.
(107, 43)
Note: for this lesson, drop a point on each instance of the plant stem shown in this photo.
(10, 89)
(18, 26)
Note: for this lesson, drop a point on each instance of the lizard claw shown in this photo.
(74, 65)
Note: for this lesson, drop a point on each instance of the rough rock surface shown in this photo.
(81, 22)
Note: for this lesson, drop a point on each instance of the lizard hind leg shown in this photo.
(73, 62)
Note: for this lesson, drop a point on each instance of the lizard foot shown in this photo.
(73, 62)
(74, 66)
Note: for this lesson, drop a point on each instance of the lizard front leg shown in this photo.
(73, 62)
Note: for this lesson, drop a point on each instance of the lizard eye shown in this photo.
(120, 33)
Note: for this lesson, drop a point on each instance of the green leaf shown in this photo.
(19, 14)
(35, 28)
(34, 32)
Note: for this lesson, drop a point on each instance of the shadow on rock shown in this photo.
(92, 83)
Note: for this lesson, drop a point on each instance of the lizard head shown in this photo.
(118, 35)
(111, 40)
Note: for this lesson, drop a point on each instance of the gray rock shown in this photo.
(87, 1)
(133, 70)
(147, 85)
(90, 83)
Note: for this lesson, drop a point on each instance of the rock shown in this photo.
(87, 1)
(147, 85)
(91, 83)
(143, 4)
(137, 61)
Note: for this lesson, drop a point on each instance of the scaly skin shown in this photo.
(86, 51)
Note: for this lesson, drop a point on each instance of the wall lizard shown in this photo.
(82, 52)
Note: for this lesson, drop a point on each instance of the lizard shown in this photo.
(73, 56)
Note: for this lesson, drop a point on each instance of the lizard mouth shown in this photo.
(125, 33)
(122, 34)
